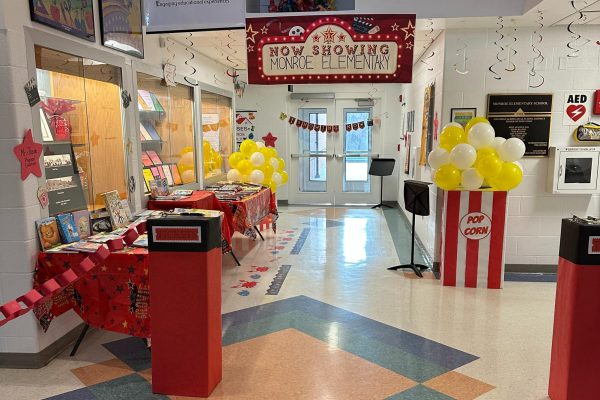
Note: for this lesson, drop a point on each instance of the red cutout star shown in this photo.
(329, 35)
(29, 153)
(269, 140)
(341, 37)
(316, 38)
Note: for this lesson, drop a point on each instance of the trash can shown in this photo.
(575, 362)
(185, 304)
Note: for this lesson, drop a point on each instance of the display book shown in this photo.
(233, 191)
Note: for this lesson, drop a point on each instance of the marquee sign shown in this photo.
(330, 49)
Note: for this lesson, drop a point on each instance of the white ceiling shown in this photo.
(229, 47)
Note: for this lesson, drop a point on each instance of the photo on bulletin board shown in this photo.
(75, 17)
(462, 115)
(121, 26)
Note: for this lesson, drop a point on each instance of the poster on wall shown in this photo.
(121, 26)
(73, 17)
(330, 49)
(462, 115)
(524, 116)
(578, 107)
(427, 128)
(163, 16)
(244, 127)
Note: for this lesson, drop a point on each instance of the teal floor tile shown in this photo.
(126, 388)
(420, 392)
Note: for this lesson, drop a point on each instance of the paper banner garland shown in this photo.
(324, 128)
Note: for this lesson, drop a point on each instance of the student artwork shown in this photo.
(29, 153)
(73, 17)
(258, 164)
(473, 158)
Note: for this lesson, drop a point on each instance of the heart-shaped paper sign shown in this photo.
(576, 111)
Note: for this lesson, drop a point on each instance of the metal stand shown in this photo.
(79, 340)
(415, 267)
(381, 205)
(235, 258)
(259, 234)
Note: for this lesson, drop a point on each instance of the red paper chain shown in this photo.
(25, 303)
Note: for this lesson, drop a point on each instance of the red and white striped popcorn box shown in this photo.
(473, 238)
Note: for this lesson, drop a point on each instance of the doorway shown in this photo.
(332, 168)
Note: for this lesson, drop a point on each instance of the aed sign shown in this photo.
(475, 226)
(177, 234)
(577, 108)
(594, 245)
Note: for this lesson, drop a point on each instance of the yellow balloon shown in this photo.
(244, 179)
(273, 186)
(510, 177)
(281, 165)
(474, 121)
(483, 153)
(187, 159)
(265, 152)
(451, 136)
(245, 167)
(284, 177)
(235, 158)
(447, 177)
(186, 149)
(489, 167)
(248, 147)
(267, 171)
(188, 176)
(206, 147)
(218, 160)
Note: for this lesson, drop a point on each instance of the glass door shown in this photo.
(330, 167)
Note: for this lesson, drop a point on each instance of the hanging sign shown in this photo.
(29, 153)
(578, 107)
(331, 49)
(524, 116)
(161, 16)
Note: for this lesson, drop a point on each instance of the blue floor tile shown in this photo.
(132, 351)
(126, 388)
(420, 392)
(79, 394)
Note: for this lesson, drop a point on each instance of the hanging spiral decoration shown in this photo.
(497, 43)
(430, 40)
(510, 51)
(576, 37)
(170, 50)
(187, 61)
(536, 80)
(231, 40)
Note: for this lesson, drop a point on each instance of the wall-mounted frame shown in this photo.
(462, 115)
(75, 18)
(121, 26)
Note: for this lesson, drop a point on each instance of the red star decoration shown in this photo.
(269, 140)
(409, 30)
(251, 34)
(264, 30)
(316, 38)
(29, 153)
(341, 37)
(329, 35)
(409, 45)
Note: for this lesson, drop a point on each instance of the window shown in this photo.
(82, 128)
(166, 131)
(217, 132)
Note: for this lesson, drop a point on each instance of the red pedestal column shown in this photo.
(575, 364)
(185, 304)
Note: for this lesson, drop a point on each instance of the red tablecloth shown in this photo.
(202, 200)
(114, 297)
(247, 213)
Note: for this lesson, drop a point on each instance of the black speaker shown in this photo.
(416, 201)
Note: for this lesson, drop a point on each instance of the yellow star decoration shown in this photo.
(409, 30)
(124, 324)
(251, 34)
(329, 35)
(104, 269)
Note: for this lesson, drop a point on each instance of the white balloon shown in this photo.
(274, 162)
(234, 175)
(438, 157)
(257, 159)
(463, 156)
(471, 179)
(257, 177)
(498, 141)
(260, 145)
(481, 135)
(277, 178)
(452, 124)
(512, 150)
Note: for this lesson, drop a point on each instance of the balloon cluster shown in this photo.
(213, 161)
(257, 164)
(186, 165)
(475, 158)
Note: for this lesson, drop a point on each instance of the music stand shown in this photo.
(416, 201)
(382, 167)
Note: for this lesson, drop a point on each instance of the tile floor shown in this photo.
(313, 313)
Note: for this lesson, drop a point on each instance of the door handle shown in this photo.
(296, 155)
(350, 155)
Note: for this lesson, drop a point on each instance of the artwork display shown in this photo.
(71, 16)
(336, 49)
(427, 128)
(121, 25)
(462, 115)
